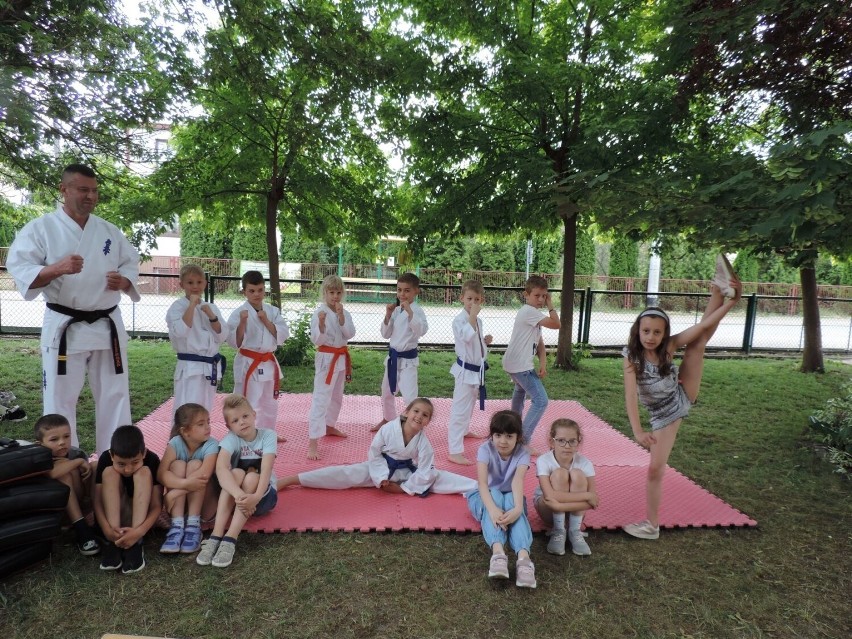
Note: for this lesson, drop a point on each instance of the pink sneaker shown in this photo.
(499, 567)
(525, 574)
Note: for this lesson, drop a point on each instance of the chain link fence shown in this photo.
(602, 315)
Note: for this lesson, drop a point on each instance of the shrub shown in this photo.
(298, 348)
(833, 427)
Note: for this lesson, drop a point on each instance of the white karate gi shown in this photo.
(404, 335)
(104, 248)
(470, 349)
(192, 379)
(327, 398)
(261, 386)
(374, 471)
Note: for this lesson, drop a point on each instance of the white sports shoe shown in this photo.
(724, 276)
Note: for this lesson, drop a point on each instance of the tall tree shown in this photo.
(286, 90)
(521, 106)
(784, 67)
(78, 77)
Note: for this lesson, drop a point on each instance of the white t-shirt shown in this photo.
(546, 464)
(523, 343)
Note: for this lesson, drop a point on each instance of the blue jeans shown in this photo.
(519, 534)
(528, 383)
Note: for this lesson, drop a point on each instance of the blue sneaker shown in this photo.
(173, 540)
(191, 540)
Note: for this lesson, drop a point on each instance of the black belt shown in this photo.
(89, 317)
(211, 359)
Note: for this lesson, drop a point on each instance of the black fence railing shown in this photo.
(602, 318)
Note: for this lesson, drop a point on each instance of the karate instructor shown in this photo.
(80, 264)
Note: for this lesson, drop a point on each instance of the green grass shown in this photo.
(746, 442)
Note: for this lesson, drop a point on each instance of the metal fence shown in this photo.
(602, 318)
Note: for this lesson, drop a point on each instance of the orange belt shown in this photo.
(257, 359)
(338, 351)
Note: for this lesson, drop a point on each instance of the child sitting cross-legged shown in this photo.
(244, 471)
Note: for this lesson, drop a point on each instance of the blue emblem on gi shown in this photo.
(106, 247)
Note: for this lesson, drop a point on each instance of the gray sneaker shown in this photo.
(224, 555)
(208, 551)
(556, 545)
(578, 544)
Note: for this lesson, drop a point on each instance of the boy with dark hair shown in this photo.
(257, 329)
(71, 467)
(405, 323)
(128, 499)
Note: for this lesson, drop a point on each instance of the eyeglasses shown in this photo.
(566, 442)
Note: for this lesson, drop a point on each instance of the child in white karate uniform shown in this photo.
(257, 329)
(331, 329)
(468, 369)
(400, 460)
(196, 329)
(566, 485)
(404, 324)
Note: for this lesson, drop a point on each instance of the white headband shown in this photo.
(653, 312)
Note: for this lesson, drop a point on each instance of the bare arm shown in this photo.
(552, 319)
(631, 404)
(511, 516)
(62, 467)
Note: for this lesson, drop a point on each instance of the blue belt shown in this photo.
(393, 355)
(212, 359)
(395, 464)
(476, 369)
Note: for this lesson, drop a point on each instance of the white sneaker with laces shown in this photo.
(724, 276)
(642, 530)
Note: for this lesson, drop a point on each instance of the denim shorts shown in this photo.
(267, 502)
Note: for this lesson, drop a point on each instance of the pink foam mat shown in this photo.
(620, 466)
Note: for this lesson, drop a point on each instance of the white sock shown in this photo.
(574, 521)
(177, 522)
(558, 521)
(194, 520)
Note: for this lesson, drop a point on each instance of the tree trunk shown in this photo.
(812, 354)
(272, 246)
(564, 358)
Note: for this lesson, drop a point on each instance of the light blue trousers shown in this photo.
(519, 534)
(528, 383)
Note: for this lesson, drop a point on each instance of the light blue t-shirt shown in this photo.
(264, 443)
(502, 471)
(210, 447)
